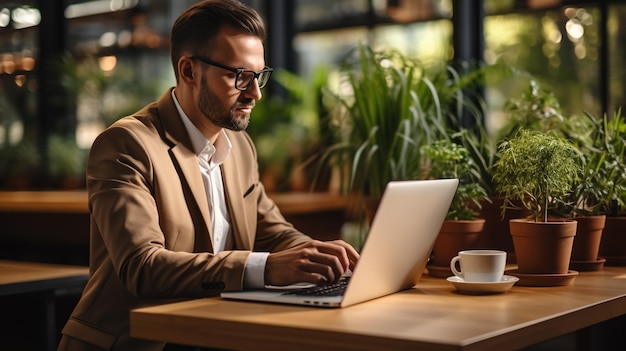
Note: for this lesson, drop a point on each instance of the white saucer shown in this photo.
(503, 285)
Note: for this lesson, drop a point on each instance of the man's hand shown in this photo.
(316, 262)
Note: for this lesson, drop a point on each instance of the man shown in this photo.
(174, 193)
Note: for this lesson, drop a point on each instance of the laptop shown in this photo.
(394, 255)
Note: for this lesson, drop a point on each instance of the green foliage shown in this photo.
(536, 109)
(383, 120)
(538, 169)
(386, 107)
(446, 159)
(602, 186)
(466, 119)
(286, 128)
(482, 150)
(21, 160)
(65, 158)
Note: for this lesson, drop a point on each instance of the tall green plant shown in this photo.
(538, 169)
(392, 121)
(387, 106)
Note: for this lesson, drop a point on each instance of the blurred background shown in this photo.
(69, 68)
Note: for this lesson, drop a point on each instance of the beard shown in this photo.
(230, 118)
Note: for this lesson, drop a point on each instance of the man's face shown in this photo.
(220, 113)
(218, 99)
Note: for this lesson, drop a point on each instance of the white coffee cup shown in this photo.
(479, 265)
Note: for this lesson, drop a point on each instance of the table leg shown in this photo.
(48, 327)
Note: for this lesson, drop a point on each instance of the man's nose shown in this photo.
(253, 91)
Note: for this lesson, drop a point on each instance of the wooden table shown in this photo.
(44, 201)
(431, 316)
(45, 282)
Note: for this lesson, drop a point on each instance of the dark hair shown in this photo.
(199, 24)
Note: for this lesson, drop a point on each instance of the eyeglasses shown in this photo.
(243, 77)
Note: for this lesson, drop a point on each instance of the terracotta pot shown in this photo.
(588, 236)
(613, 243)
(453, 237)
(543, 247)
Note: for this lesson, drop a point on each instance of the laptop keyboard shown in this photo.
(336, 289)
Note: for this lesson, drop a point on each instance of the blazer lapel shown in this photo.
(174, 133)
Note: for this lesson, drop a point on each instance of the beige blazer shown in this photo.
(150, 224)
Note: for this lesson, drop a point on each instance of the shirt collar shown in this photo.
(202, 147)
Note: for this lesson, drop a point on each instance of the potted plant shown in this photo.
(594, 194)
(604, 191)
(538, 170)
(446, 159)
(535, 109)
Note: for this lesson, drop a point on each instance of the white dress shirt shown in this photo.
(210, 157)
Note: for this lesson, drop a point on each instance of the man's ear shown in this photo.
(185, 67)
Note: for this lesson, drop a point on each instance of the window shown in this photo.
(559, 47)
(52, 103)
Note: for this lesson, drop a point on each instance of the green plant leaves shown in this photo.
(446, 159)
(386, 106)
(537, 168)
